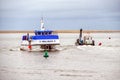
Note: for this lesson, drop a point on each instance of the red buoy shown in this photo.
(100, 44)
(30, 47)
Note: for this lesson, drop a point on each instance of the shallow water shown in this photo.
(69, 62)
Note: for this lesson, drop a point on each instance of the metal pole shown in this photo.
(80, 36)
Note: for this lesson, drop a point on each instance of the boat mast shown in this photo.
(42, 24)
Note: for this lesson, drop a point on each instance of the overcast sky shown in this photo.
(60, 14)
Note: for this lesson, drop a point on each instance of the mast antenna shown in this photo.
(42, 24)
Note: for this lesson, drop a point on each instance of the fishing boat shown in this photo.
(87, 40)
(46, 39)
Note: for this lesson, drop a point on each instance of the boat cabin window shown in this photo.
(35, 33)
(43, 33)
(39, 33)
(50, 33)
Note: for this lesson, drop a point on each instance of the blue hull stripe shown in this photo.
(45, 37)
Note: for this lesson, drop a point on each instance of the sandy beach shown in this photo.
(64, 31)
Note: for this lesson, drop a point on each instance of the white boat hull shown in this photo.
(41, 42)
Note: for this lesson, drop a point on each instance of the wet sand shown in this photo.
(70, 62)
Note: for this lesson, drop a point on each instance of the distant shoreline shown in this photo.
(65, 31)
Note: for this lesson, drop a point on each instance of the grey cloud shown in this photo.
(82, 11)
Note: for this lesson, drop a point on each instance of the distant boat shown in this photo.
(87, 40)
(46, 39)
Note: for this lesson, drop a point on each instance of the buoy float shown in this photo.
(30, 46)
(100, 44)
(109, 37)
(46, 54)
